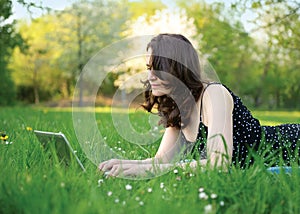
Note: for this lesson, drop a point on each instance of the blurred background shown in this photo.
(254, 45)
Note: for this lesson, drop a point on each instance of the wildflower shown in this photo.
(137, 198)
(128, 187)
(175, 171)
(62, 184)
(202, 195)
(149, 189)
(3, 137)
(141, 203)
(201, 189)
(100, 181)
(28, 128)
(208, 208)
(213, 196)
(117, 200)
(222, 203)
(162, 185)
(109, 193)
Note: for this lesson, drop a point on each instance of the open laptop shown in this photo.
(62, 147)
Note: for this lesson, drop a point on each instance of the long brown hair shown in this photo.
(173, 55)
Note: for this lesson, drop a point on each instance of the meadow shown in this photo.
(31, 182)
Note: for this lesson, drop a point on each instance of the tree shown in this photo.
(8, 40)
(58, 50)
(88, 27)
(34, 69)
(278, 23)
(144, 8)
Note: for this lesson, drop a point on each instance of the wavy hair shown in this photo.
(175, 60)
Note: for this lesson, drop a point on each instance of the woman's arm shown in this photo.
(168, 152)
(218, 107)
(170, 147)
(217, 115)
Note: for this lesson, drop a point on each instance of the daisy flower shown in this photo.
(128, 187)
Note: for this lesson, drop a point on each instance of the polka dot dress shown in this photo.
(275, 144)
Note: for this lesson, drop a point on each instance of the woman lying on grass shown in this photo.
(201, 118)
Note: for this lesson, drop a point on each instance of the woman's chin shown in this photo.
(157, 93)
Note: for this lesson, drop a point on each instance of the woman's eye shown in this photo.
(148, 67)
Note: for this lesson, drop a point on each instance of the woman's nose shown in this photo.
(151, 75)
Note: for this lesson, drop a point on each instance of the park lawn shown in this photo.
(30, 182)
(277, 117)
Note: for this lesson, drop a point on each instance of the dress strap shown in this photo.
(201, 97)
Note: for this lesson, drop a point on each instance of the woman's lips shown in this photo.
(154, 85)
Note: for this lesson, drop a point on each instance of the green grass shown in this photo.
(277, 117)
(30, 182)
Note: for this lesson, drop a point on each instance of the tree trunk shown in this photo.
(36, 85)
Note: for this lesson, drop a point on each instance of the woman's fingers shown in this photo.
(107, 165)
(115, 167)
(119, 170)
(101, 165)
(115, 171)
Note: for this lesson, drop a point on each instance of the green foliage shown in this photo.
(278, 22)
(57, 51)
(8, 40)
(264, 72)
(7, 92)
(30, 182)
(141, 7)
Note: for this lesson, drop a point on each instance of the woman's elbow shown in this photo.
(220, 160)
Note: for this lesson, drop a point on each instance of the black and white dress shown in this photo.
(277, 145)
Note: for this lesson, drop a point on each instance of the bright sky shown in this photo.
(20, 12)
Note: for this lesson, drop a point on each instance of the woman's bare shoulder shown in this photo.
(217, 91)
(217, 99)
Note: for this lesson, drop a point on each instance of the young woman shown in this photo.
(203, 118)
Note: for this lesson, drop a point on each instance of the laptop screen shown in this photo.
(57, 143)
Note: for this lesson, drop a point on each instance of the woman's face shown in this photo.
(159, 87)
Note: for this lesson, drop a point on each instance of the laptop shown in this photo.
(61, 145)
